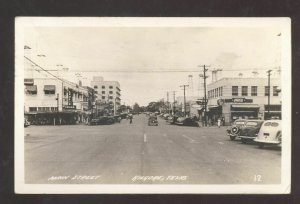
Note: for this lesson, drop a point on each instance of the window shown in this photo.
(111, 97)
(95, 87)
(103, 97)
(96, 92)
(275, 92)
(235, 90)
(103, 92)
(49, 89)
(111, 87)
(253, 90)
(244, 90)
(31, 89)
(110, 92)
(32, 109)
(103, 87)
(267, 90)
(221, 91)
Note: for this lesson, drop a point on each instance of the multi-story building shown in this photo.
(50, 99)
(107, 91)
(233, 98)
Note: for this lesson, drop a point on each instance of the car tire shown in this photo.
(232, 138)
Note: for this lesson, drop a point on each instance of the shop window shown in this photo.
(253, 90)
(110, 92)
(32, 109)
(275, 90)
(267, 90)
(244, 90)
(235, 90)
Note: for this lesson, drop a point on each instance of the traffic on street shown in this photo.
(139, 153)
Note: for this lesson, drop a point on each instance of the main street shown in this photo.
(136, 153)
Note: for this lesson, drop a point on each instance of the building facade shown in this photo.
(234, 98)
(107, 92)
(51, 100)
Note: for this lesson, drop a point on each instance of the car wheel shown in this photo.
(232, 138)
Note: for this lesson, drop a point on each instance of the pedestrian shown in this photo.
(219, 122)
(130, 119)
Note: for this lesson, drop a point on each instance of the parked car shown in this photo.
(165, 116)
(117, 118)
(103, 120)
(249, 131)
(185, 121)
(26, 123)
(269, 134)
(152, 120)
(234, 130)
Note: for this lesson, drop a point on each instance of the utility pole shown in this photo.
(174, 102)
(168, 102)
(205, 100)
(269, 92)
(184, 98)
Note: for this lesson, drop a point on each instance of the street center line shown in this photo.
(191, 140)
(145, 137)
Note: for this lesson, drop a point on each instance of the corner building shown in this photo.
(243, 98)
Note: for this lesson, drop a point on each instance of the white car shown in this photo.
(269, 133)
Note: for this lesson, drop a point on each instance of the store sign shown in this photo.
(70, 98)
(69, 107)
(238, 100)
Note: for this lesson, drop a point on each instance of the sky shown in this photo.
(151, 61)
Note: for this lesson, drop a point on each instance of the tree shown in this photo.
(136, 108)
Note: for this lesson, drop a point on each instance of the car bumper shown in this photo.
(246, 137)
(266, 142)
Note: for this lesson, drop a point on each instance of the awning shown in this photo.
(245, 106)
(49, 88)
(32, 88)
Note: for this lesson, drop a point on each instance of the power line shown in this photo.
(62, 80)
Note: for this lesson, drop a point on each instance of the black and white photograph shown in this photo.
(152, 105)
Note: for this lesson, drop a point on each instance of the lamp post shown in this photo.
(269, 91)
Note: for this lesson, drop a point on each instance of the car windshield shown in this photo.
(251, 123)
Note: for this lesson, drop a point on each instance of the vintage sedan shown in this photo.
(269, 134)
(185, 121)
(250, 130)
(234, 130)
(152, 121)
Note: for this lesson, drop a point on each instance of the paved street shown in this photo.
(140, 154)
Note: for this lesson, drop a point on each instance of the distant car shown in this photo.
(117, 118)
(234, 130)
(26, 123)
(269, 134)
(186, 122)
(152, 121)
(103, 120)
(250, 130)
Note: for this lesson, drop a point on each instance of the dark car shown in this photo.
(103, 120)
(186, 122)
(250, 130)
(234, 130)
(152, 121)
(117, 118)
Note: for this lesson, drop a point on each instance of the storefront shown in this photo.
(272, 112)
(228, 110)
